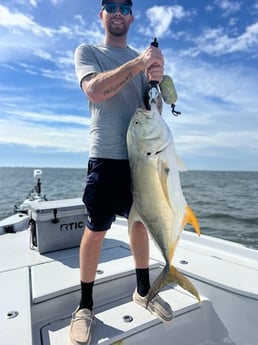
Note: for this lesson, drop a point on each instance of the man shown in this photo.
(115, 80)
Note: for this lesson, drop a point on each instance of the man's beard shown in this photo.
(117, 31)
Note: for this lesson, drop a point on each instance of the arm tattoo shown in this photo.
(114, 89)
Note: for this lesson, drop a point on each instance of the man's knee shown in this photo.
(93, 236)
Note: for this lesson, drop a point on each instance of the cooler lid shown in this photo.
(64, 207)
(59, 204)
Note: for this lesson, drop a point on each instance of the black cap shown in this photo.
(128, 2)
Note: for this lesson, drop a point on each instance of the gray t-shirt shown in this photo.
(110, 118)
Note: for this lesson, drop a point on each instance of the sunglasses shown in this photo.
(124, 9)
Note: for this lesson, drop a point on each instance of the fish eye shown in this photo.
(136, 122)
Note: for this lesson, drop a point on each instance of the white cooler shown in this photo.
(57, 224)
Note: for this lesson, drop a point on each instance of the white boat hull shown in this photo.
(14, 223)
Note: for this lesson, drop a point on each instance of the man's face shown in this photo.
(115, 22)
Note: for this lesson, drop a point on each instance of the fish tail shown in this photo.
(171, 275)
(190, 217)
(162, 280)
(178, 278)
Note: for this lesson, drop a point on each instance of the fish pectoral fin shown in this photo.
(163, 176)
(191, 218)
(171, 275)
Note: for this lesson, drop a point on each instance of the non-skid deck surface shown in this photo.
(110, 325)
(55, 278)
(15, 318)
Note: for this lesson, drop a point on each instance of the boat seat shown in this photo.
(53, 279)
(15, 316)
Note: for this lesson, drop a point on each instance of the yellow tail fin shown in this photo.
(171, 274)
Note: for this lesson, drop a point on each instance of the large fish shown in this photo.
(158, 200)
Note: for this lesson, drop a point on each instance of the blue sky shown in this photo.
(210, 49)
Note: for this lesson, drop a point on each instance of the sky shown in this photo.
(210, 50)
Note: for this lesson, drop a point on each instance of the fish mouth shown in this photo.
(155, 153)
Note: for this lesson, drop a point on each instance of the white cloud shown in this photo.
(43, 54)
(93, 31)
(223, 139)
(19, 21)
(218, 42)
(55, 2)
(217, 98)
(80, 19)
(33, 3)
(209, 8)
(70, 139)
(160, 19)
(49, 118)
(20, 37)
(219, 107)
(228, 6)
(46, 56)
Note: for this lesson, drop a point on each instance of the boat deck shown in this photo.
(119, 320)
(44, 290)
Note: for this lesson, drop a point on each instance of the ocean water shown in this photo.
(225, 203)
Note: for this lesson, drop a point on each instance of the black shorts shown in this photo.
(107, 192)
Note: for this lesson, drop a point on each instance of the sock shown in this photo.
(143, 281)
(86, 296)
